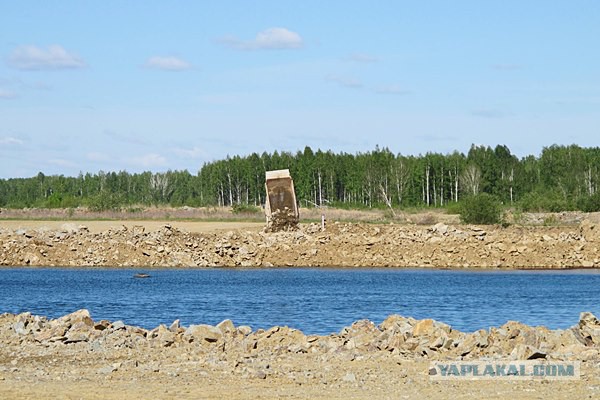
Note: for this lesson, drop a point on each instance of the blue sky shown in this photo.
(155, 85)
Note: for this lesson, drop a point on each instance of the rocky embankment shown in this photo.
(77, 357)
(33, 341)
(341, 244)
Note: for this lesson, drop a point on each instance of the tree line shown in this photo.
(561, 178)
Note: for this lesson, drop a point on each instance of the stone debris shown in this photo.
(342, 244)
(397, 335)
(282, 220)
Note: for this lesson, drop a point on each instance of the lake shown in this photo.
(314, 300)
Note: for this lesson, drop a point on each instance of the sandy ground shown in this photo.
(375, 380)
(101, 226)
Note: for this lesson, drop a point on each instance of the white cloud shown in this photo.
(149, 161)
(168, 63)
(269, 39)
(36, 58)
(345, 81)
(7, 94)
(391, 89)
(9, 141)
(361, 58)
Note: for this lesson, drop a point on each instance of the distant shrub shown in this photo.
(545, 201)
(60, 201)
(590, 203)
(105, 202)
(453, 208)
(482, 208)
(54, 201)
(245, 209)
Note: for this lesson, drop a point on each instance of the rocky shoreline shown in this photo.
(340, 245)
(362, 358)
(397, 335)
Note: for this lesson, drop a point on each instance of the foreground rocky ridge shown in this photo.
(397, 335)
(341, 244)
(75, 354)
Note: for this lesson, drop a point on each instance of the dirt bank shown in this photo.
(147, 244)
(149, 225)
(77, 357)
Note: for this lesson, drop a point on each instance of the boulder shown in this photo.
(394, 342)
(467, 345)
(115, 326)
(525, 352)
(52, 333)
(423, 328)
(440, 228)
(244, 330)
(163, 336)
(397, 323)
(226, 327)
(79, 316)
(174, 327)
(588, 230)
(482, 338)
(589, 328)
(78, 336)
(19, 328)
(203, 333)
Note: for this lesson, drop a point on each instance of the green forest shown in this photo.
(561, 178)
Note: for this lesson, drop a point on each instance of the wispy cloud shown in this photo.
(489, 113)
(361, 58)
(391, 89)
(149, 161)
(10, 141)
(50, 58)
(269, 39)
(168, 63)
(7, 94)
(192, 153)
(345, 81)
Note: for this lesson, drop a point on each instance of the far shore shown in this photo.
(193, 244)
(96, 226)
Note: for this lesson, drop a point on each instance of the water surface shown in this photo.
(318, 301)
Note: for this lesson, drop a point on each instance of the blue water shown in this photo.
(317, 301)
